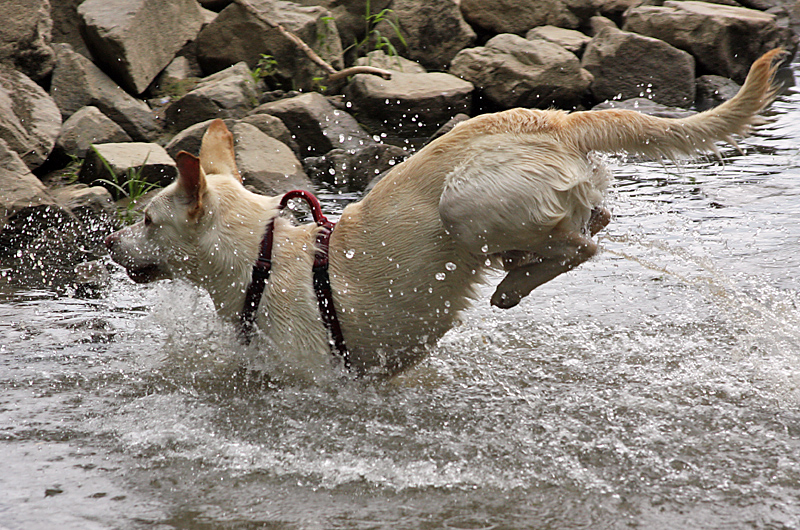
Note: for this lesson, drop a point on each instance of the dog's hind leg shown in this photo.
(564, 252)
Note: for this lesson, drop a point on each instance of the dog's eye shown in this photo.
(147, 220)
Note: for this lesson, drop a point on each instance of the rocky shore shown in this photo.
(98, 96)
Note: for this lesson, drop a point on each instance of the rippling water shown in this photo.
(657, 386)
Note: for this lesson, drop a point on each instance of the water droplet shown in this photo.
(440, 276)
(485, 248)
(450, 266)
(350, 253)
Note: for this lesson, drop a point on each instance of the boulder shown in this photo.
(598, 24)
(316, 125)
(353, 170)
(266, 164)
(434, 31)
(397, 63)
(127, 165)
(26, 206)
(519, 16)
(408, 105)
(725, 40)
(572, 40)
(19, 188)
(511, 71)
(78, 83)
(25, 37)
(135, 39)
(29, 119)
(230, 93)
(67, 25)
(238, 35)
(713, 90)
(626, 65)
(80, 197)
(274, 127)
(86, 127)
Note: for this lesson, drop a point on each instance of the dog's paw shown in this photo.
(505, 299)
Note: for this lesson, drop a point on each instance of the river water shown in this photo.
(655, 387)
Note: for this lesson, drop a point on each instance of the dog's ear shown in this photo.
(191, 180)
(216, 151)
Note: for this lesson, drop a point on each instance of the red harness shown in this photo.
(322, 282)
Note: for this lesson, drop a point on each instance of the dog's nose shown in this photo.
(111, 240)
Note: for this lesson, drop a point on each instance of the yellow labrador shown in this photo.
(516, 189)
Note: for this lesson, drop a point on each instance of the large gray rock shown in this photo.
(78, 83)
(25, 37)
(511, 71)
(29, 119)
(408, 105)
(149, 162)
(353, 170)
(273, 127)
(67, 25)
(237, 35)
(230, 93)
(266, 164)
(519, 16)
(626, 65)
(572, 40)
(317, 125)
(86, 127)
(724, 40)
(19, 188)
(135, 39)
(713, 90)
(434, 31)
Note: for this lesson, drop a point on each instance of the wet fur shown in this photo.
(517, 188)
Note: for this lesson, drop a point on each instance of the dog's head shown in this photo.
(164, 243)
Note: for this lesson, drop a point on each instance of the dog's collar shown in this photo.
(322, 282)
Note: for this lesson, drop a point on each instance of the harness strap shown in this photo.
(321, 279)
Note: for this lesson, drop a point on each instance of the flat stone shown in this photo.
(149, 161)
(408, 105)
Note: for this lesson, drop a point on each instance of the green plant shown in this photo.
(132, 188)
(267, 66)
(73, 169)
(177, 88)
(373, 35)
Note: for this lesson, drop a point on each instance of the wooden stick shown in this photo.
(333, 73)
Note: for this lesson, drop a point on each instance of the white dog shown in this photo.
(515, 189)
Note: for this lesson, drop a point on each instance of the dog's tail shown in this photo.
(625, 130)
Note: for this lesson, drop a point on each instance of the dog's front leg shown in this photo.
(564, 252)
